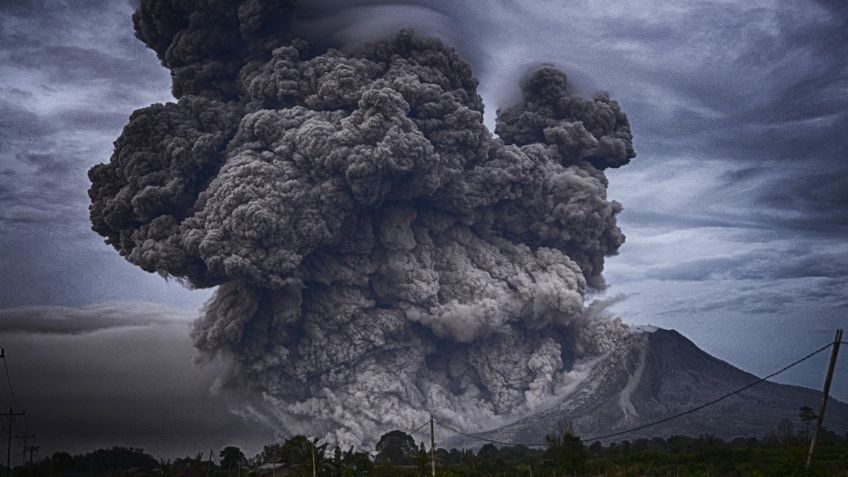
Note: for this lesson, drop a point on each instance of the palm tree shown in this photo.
(305, 457)
(166, 468)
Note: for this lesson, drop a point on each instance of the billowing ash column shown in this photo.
(378, 252)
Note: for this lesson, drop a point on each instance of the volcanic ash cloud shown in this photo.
(378, 252)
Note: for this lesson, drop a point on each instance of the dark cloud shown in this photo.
(38, 319)
(69, 265)
(820, 199)
(761, 85)
(47, 137)
(19, 124)
(759, 265)
(117, 374)
(48, 164)
(83, 120)
(800, 200)
(73, 64)
(66, 95)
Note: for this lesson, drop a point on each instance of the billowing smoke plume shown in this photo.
(378, 252)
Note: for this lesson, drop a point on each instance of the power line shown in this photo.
(25, 438)
(32, 450)
(418, 428)
(481, 438)
(11, 389)
(11, 415)
(714, 401)
(660, 421)
(9, 380)
(3, 357)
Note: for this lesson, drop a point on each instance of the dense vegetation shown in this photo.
(782, 453)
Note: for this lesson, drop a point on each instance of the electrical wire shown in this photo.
(712, 402)
(9, 381)
(3, 356)
(493, 441)
(418, 428)
(657, 422)
(12, 392)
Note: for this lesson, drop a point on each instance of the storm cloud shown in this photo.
(118, 373)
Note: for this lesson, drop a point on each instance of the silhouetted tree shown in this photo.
(488, 452)
(114, 460)
(61, 462)
(189, 466)
(783, 454)
(565, 449)
(396, 447)
(356, 464)
(299, 453)
(807, 417)
(784, 432)
(231, 458)
(422, 459)
(166, 468)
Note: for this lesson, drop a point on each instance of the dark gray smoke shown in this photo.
(378, 252)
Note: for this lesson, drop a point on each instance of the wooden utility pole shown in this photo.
(313, 459)
(837, 340)
(25, 439)
(31, 449)
(11, 415)
(432, 447)
(209, 464)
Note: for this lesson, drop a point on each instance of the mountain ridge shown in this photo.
(658, 373)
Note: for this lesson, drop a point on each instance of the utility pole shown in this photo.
(11, 415)
(209, 464)
(837, 340)
(432, 447)
(31, 449)
(25, 438)
(312, 447)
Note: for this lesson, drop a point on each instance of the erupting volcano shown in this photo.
(378, 253)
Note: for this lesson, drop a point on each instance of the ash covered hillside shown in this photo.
(377, 251)
(656, 374)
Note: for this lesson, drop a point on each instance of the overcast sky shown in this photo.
(735, 210)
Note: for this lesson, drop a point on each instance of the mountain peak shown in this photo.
(658, 373)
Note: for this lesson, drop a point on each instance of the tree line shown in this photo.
(781, 453)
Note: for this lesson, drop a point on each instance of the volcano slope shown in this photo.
(658, 373)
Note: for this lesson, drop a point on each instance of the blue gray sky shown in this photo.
(735, 210)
